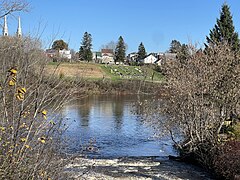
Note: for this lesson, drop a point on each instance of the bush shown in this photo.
(29, 140)
(227, 161)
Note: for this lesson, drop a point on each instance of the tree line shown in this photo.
(223, 30)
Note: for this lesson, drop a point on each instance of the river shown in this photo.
(109, 124)
(106, 128)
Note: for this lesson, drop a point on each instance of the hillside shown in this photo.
(98, 71)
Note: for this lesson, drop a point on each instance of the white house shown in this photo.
(150, 59)
(132, 57)
(107, 56)
(65, 54)
(59, 53)
(164, 57)
(97, 57)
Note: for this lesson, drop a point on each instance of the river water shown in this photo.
(107, 126)
(118, 143)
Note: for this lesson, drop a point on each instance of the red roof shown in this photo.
(107, 51)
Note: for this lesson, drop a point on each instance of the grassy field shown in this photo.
(100, 71)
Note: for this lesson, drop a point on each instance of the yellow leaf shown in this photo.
(45, 117)
(52, 122)
(13, 71)
(42, 140)
(2, 128)
(14, 79)
(44, 112)
(11, 83)
(22, 90)
(27, 146)
(20, 96)
(23, 139)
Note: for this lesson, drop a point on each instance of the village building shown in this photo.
(107, 56)
(97, 57)
(64, 53)
(5, 28)
(150, 59)
(166, 57)
(132, 57)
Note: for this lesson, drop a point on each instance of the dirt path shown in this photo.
(133, 169)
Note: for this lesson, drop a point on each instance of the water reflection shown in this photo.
(111, 123)
(84, 111)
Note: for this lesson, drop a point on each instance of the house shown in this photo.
(107, 56)
(150, 59)
(66, 54)
(164, 57)
(132, 57)
(97, 57)
(52, 53)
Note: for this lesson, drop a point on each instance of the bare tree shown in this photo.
(201, 93)
(10, 6)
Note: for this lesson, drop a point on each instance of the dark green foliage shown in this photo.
(141, 51)
(120, 51)
(183, 54)
(224, 30)
(85, 52)
(59, 45)
(182, 50)
(175, 46)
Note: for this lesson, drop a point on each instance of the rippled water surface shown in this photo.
(109, 125)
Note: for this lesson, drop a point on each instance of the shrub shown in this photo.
(28, 133)
(227, 161)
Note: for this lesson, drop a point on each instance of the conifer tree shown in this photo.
(120, 51)
(85, 52)
(141, 51)
(175, 46)
(224, 30)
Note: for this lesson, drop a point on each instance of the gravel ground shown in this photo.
(133, 169)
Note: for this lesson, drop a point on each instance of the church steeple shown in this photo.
(5, 27)
(19, 29)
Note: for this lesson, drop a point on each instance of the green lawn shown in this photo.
(132, 72)
(114, 72)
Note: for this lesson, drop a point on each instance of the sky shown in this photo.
(155, 23)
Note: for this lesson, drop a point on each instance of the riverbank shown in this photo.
(92, 78)
(133, 168)
(107, 86)
(93, 71)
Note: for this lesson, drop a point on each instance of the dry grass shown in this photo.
(85, 70)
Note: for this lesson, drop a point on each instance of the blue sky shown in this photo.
(154, 22)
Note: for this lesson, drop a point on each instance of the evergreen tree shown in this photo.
(141, 51)
(224, 30)
(183, 53)
(120, 51)
(85, 52)
(175, 46)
